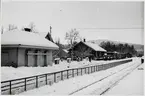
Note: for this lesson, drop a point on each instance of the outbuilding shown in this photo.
(23, 48)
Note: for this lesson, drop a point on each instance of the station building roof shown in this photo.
(18, 38)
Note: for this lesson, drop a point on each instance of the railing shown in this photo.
(16, 86)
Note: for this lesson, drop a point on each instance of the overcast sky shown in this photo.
(85, 16)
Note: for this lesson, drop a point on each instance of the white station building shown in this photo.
(22, 48)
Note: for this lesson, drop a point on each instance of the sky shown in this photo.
(119, 21)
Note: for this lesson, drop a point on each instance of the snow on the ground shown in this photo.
(8, 73)
(98, 88)
(72, 84)
(133, 84)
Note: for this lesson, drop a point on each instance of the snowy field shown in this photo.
(8, 73)
(73, 84)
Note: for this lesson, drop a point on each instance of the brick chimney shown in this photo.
(84, 40)
(27, 29)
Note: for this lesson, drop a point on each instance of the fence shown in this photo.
(16, 86)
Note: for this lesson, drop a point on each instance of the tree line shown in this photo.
(121, 48)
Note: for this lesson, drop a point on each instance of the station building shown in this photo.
(86, 49)
(23, 48)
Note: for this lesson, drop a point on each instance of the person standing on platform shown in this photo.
(90, 58)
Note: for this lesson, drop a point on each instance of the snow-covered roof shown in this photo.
(26, 39)
(96, 47)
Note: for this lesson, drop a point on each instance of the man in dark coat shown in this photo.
(90, 58)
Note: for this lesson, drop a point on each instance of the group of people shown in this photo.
(89, 58)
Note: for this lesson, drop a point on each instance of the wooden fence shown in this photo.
(16, 86)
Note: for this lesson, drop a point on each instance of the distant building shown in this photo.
(61, 53)
(22, 48)
(84, 49)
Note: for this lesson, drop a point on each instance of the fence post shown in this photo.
(95, 68)
(54, 77)
(36, 81)
(10, 88)
(81, 71)
(61, 75)
(46, 78)
(67, 74)
(91, 69)
(99, 67)
(88, 70)
(77, 72)
(25, 85)
(72, 72)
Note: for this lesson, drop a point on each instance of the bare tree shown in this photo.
(57, 40)
(72, 36)
(11, 27)
(32, 27)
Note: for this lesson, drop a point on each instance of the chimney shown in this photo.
(84, 40)
(27, 29)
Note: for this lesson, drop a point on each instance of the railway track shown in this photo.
(80, 89)
(117, 81)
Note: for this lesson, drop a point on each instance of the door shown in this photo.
(4, 58)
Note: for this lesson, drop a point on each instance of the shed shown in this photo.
(22, 48)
